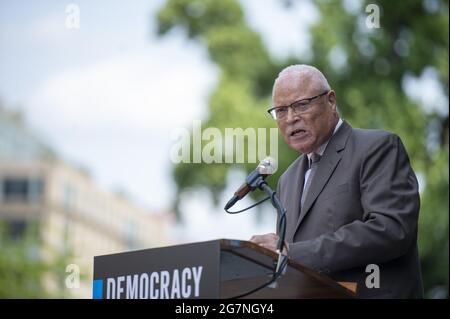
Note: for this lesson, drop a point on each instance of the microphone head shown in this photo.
(268, 166)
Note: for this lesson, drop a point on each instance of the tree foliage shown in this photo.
(24, 273)
(413, 36)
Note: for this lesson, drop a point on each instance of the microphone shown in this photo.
(268, 166)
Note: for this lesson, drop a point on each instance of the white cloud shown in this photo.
(427, 91)
(284, 30)
(116, 116)
(148, 88)
(108, 95)
(49, 28)
(203, 221)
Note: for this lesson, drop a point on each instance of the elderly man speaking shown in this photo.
(351, 198)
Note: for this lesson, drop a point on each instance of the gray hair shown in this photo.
(316, 78)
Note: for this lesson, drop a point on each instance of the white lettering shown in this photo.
(164, 288)
(181, 151)
(215, 145)
(220, 147)
(164, 284)
(185, 288)
(197, 271)
(197, 142)
(132, 287)
(143, 286)
(175, 293)
(373, 280)
(73, 280)
(73, 16)
(110, 288)
(153, 291)
(373, 19)
(120, 280)
(192, 309)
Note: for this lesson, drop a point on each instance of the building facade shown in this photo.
(75, 217)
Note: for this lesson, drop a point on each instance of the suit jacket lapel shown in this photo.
(295, 194)
(328, 163)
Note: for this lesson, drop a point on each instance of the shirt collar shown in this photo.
(321, 149)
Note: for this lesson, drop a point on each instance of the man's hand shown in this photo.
(268, 241)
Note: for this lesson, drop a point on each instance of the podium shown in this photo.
(217, 269)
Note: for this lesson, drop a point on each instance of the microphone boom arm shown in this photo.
(276, 203)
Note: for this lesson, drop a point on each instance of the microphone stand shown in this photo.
(260, 183)
(276, 203)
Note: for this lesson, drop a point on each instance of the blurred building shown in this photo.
(74, 216)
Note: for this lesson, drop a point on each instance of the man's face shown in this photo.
(307, 131)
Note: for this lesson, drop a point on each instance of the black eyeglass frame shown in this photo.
(306, 105)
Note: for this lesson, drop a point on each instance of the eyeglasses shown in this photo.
(298, 107)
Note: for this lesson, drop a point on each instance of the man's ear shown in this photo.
(332, 97)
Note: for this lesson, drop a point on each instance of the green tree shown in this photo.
(412, 37)
(23, 271)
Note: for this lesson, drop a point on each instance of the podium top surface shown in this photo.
(297, 276)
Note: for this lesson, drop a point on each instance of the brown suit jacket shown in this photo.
(362, 208)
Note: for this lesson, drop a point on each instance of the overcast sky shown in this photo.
(109, 94)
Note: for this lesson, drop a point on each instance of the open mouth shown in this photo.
(297, 132)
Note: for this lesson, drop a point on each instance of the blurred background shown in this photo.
(91, 93)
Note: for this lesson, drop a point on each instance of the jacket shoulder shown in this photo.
(371, 134)
(368, 137)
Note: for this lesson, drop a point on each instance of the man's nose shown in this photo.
(291, 116)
